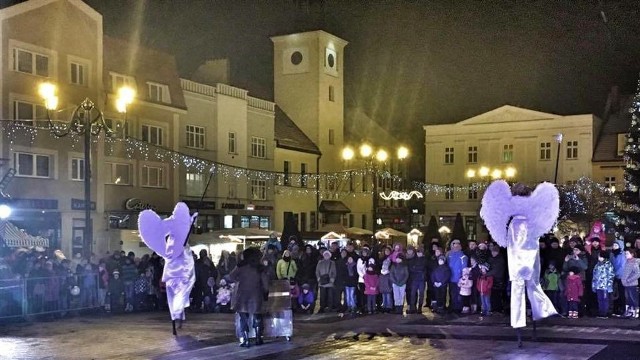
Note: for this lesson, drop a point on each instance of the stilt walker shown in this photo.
(516, 218)
(168, 238)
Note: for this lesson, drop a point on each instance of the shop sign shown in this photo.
(137, 205)
(78, 204)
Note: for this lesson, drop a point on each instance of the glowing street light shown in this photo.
(403, 153)
(5, 211)
(347, 154)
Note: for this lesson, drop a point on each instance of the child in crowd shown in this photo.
(629, 279)
(306, 299)
(551, 284)
(573, 292)
(484, 285)
(602, 283)
(439, 279)
(371, 281)
(209, 304)
(116, 293)
(223, 297)
(294, 292)
(465, 283)
(385, 287)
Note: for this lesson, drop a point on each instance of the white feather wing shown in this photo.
(496, 210)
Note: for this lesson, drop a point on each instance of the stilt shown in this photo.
(535, 333)
(519, 333)
(173, 324)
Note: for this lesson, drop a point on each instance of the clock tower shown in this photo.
(309, 88)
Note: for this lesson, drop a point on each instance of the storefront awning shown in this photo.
(15, 238)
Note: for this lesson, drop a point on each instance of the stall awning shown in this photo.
(15, 238)
(333, 206)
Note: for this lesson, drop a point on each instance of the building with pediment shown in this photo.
(507, 142)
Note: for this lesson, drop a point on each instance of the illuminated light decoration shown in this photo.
(397, 195)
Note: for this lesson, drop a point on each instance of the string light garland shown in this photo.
(18, 131)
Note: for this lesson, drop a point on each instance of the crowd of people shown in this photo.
(582, 277)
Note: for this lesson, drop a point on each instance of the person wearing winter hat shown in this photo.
(306, 299)
(439, 280)
(326, 276)
(286, 268)
(399, 277)
(465, 283)
(371, 281)
(385, 287)
(361, 266)
(115, 292)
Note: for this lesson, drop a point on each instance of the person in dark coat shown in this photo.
(252, 291)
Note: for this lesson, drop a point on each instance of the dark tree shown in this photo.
(458, 230)
(431, 232)
(628, 209)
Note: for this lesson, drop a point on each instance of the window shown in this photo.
(332, 137)
(32, 165)
(152, 134)
(118, 174)
(622, 143)
(194, 183)
(303, 175)
(77, 169)
(78, 73)
(285, 179)
(572, 182)
(232, 190)
(28, 112)
(119, 80)
(195, 136)
(572, 150)
(159, 92)
(507, 153)
(448, 192)
(448, 155)
(332, 95)
(545, 151)
(152, 176)
(258, 147)
(610, 181)
(258, 189)
(28, 62)
(473, 193)
(117, 126)
(472, 157)
(232, 143)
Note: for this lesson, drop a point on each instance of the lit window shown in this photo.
(258, 147)
(32, 165)
(572, 150)
(448, 192)
(545, 151)
(448, 155)
(507, 153)
(473, 193)
(194, 184)
(472, 155)
(609, 181)
(77, 169)
(195, 136)
(118, 174)
(152, 134)
(258, 189)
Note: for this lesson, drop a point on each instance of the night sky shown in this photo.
(411, 63)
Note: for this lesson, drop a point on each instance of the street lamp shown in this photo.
(373, 158)
(558, 138)
(86, 120)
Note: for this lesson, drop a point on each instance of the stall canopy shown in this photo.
(15, 238)
(240, 235)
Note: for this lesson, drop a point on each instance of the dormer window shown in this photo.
(159, 92)
(119, 80)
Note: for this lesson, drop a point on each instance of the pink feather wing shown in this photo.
(153, 232)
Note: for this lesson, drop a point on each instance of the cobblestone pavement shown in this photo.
(327, 336)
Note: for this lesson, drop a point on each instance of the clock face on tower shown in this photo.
(331, 62)
(295, 60)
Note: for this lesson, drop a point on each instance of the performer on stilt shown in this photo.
(178, 275)
(516, 218)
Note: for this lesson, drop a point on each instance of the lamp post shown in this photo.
(558, 138)
(373, 159)
(87, 121)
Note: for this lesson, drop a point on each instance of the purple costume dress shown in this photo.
(517, 222)
(178, 274)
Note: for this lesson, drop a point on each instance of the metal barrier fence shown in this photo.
(55, 295)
